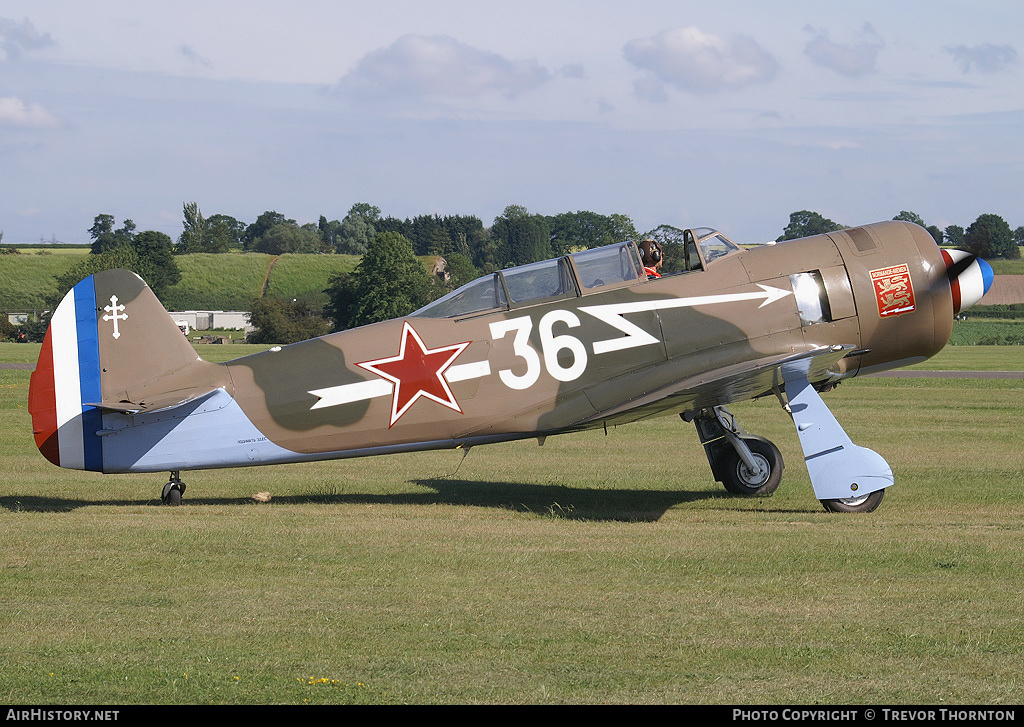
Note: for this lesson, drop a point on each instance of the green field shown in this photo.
(595, 569)
(988, 332)
(208, 282)
(1007, 267)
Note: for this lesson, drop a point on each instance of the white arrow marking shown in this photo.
(610, 314)
(465, 372)
(636, 336)
(347, 393)
(362, 390)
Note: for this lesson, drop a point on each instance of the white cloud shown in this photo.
(15, 112)
(986, 58)
(16, 38)
(693, 60)
(420, 66)
(847, 60)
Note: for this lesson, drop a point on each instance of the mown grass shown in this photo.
(595, 569)
(27, 280)
(306, 277)
(208, 282)
(218, 282)
(987, 332)
(1007, 267)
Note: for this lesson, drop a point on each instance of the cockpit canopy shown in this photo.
(580, 273)
(713, 244)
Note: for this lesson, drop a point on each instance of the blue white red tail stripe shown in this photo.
(66, 377)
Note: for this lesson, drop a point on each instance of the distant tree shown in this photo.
(915, 218)
(287, 237)
(195, 230)
(991, 236)
(393, 224)
(106, 238)
(805, 224)
(433, 236)
(200, 234)
(330, 233)
(260, 227)
(427, 235)
(520, 237)
(342, 301)
(122, 256)
(460, 270)
(280, 321)
(910, 217)
(388, 282)
(467, 234)
(954, 235)
(1018, 236)
(571, 231)
(157, 266)
(225, 233)
(150, 254)
(35, 331)
(9, 331)
(101, 232)
(358, 229)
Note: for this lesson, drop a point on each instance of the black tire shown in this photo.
(864, 503)
(739, 480)
(172, 494)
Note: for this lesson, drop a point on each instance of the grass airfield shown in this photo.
(595, 569)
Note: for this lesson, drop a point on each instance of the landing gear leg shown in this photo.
(744, 463)
(173, 490)
(846, 477)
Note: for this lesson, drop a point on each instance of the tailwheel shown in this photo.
(173, 490)
(864, 503)
(758, 474)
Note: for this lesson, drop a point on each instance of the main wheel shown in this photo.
(739, 479)
(172, 492)
(864, 503)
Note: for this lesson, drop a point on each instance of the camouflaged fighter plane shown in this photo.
(579, 342)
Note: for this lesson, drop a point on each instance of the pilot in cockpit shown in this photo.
(650, 250)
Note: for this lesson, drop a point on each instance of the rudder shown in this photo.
(108, 344)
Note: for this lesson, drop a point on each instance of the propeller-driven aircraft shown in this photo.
(585, 341)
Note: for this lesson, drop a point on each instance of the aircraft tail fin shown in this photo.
(110, 346)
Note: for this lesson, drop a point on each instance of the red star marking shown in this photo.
(417, 371)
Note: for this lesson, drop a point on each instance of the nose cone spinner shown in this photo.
(970, 278)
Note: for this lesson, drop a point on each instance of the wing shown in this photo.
(722, 386)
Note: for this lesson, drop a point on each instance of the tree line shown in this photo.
(988, 237)
(390, 280)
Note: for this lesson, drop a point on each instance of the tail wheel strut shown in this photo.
(173, 490)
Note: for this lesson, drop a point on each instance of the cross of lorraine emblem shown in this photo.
(114, 315)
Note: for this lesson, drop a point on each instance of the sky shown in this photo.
(730, 115)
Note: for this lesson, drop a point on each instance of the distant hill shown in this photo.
(1006, 290)
(208, 282)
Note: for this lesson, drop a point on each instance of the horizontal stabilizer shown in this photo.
(172, 400)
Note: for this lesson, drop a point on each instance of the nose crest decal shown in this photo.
(894, 291)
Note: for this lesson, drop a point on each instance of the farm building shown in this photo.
(204, 320)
